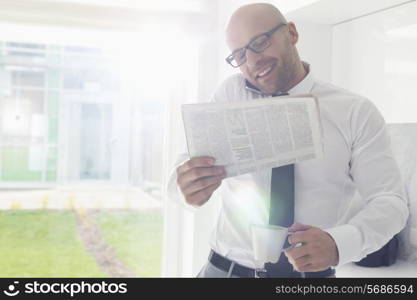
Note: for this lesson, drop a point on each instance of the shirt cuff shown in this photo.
(348, 240)
(184, 203)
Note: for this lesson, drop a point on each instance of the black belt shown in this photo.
(224, 264)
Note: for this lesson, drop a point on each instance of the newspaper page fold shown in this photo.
(245, 136)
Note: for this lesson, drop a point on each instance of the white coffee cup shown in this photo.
(268, 242)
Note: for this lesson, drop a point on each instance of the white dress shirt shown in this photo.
(355, 193)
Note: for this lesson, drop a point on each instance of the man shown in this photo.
(357, 160)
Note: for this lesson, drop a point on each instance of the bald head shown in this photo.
(250, 20)
(277, 66)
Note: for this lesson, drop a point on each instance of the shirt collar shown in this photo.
(303, 87)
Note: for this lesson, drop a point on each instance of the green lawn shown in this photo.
(45, 243)
(137, 239)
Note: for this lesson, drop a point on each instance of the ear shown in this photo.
(293, 33)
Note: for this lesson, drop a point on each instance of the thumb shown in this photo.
(298, 227)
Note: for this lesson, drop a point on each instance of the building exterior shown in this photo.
(67, 117)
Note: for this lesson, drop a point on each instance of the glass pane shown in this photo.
(22, 120)
(95, 156)
(72, 79)
(28, 78)
(25, 49)
(22, 163)
(54, 57)
(90, 80)
(53, 111)
(30, 95)
(54, 78)
(51, 164)
(64, 119)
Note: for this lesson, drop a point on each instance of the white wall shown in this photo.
(315, 47)
(376, 56)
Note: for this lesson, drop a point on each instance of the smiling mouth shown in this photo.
(264, 72)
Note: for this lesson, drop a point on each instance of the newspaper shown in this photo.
(245, 136)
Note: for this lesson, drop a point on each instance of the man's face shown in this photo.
(271, 70)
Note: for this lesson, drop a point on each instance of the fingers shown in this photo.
(303, 260)
(301, 237)
(318, 250)
(202, 196)
(202, 183)
(198, 178)
(300, 263)
(296, 253)
(204, 161)
(196, 173)
(298, 227)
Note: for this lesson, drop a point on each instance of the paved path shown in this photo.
(92, 197)
(92, 238)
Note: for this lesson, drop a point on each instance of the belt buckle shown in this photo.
(261, 273)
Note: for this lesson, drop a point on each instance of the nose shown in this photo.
(252, 58)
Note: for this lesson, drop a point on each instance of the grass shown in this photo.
(136, 237)
(45, 243)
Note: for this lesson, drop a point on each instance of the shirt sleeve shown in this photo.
(173, 191)
(375, 173)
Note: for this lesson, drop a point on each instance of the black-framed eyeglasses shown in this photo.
(257, 44)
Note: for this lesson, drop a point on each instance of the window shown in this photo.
(81, 155)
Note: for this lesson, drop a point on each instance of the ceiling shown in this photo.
(339, 11)
(144, 5)
(130, 14)
(105, 14)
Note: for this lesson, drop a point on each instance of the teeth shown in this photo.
(264, 72)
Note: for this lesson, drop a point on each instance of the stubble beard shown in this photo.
(284, 75)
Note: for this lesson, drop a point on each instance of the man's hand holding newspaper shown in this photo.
(245, 137)
(198, 178)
